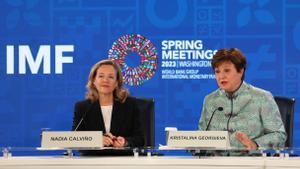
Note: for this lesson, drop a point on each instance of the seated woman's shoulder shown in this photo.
(260, 92)
(130, 99)
(83, 102)
(212, 95)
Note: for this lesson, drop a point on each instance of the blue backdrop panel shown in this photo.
(268, 32)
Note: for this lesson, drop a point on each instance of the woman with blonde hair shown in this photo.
(108, 108)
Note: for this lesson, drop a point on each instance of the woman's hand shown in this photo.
(120, 142)
(111, 140)
(108, 139)
(244, 139)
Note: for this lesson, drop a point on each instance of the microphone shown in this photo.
(220, 109)
(80, 121)
(82, 118)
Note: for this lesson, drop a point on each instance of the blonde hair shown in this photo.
(120, 93)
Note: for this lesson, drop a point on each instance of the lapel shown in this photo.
(115, 122)
(97, 118)
(241, 100)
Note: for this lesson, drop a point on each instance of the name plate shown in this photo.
(72, 139)
(204, 139)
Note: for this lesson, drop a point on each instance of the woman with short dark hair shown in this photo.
(249, 114)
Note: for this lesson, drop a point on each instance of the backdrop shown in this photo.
(48, 47)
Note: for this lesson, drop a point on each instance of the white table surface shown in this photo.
(174, 162)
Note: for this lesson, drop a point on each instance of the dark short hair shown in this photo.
(232, 55)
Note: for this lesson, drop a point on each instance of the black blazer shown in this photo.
(125, 120)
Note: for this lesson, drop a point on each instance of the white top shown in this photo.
(106, 114)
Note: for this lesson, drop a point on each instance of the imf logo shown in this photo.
(43, 56)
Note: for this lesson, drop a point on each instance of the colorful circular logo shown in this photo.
(144, 48)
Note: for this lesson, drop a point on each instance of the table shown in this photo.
(157, 162)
